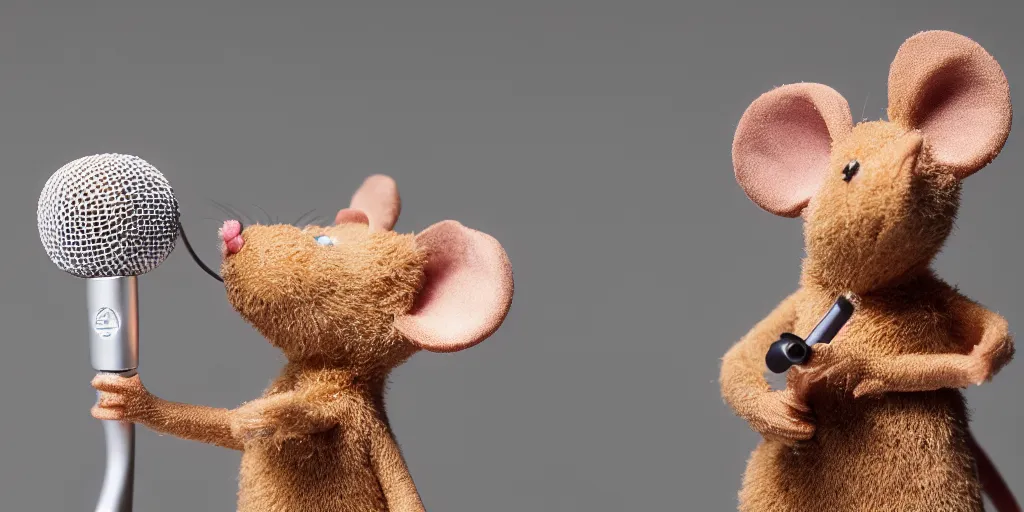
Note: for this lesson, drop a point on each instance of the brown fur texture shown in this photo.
(318, 439)
(875, 421)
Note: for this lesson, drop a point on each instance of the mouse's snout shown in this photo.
(231, 235)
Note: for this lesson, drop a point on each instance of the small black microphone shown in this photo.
(791, 349)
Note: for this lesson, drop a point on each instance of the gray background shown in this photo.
(591, 138)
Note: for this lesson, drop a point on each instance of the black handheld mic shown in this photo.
(791, 349)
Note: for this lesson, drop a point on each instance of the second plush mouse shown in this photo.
(876, 420)
(346, 304)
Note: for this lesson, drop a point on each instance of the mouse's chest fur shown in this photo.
(327, 471)
(915, 320)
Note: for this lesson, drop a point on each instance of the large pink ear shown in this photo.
(378, 199)
(951, 89)
(783, 144)
(467, 292)
(351, 216)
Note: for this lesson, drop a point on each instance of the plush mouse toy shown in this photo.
(875, 421)
(346, 304)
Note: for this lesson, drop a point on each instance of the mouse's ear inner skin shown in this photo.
(378, 198)
(954, 92)
(351, 216)
(782, 145)
(467, 289)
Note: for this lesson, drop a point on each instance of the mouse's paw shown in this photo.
(843, 370)
(783, 417)
(988, 357)
(978, 372)
(121, 398)
(960, 371)
(871, 386)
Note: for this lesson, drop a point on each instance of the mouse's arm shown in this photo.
(205, 424)
(743, 366)
(987, 346)
(291, 414)
(392, 472)
(987, 336)
(127, 399)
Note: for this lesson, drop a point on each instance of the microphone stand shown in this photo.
(114, 348)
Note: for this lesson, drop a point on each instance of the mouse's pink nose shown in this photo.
(231, 234)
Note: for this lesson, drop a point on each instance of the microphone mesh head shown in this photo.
(108, 215)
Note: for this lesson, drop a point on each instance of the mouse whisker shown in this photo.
(302, 217)
(231, 214)
(239, 215)
(265, 214)
(251, 219)
(222, 208)
(225, 209)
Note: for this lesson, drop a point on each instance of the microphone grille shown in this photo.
(107, 215)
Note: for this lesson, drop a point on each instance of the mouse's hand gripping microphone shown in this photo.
(791, 349)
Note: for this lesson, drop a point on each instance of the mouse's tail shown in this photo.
(992, 482)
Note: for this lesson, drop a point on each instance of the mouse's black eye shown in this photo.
(850, 170)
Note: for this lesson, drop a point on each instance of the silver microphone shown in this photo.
(110, 218)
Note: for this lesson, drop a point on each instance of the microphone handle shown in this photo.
(114, 349)
(834, 320)
(119, 478)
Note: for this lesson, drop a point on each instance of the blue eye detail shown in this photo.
(324, 240)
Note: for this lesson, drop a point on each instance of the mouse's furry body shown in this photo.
(346, 304)
(333, 470)
(875, 420)
(898, 452)
(331, 315)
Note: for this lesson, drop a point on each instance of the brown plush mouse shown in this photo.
(346, 304)
(876, 420)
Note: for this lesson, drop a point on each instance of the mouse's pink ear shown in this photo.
(351, 216)
(467, 290)
(378, 200)
(783, 143)
(954, 92)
